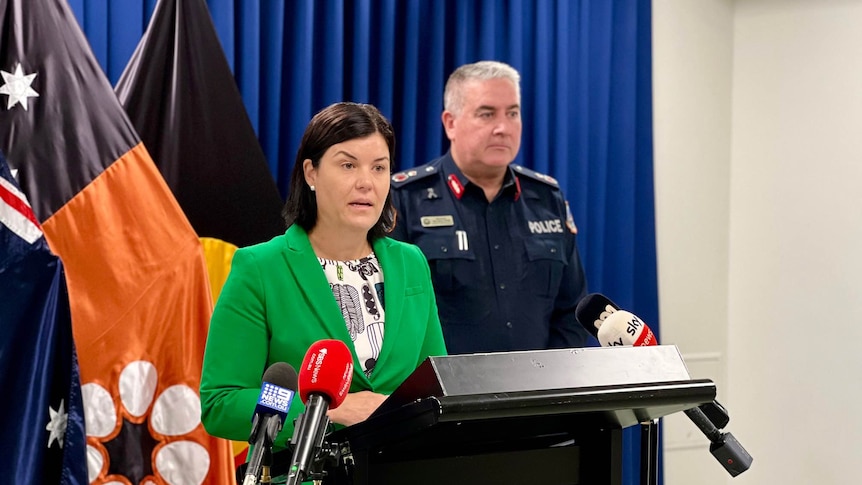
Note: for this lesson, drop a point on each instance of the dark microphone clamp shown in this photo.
(723, 446)
(716, 413)
(327, 460)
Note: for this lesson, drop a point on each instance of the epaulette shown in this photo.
(413, 174)
(536, 175)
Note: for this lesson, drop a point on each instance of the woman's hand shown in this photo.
(357, 406)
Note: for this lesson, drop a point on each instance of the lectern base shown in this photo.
(598, 463)
(519, 467)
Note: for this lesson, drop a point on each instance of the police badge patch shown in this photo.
(570, 221)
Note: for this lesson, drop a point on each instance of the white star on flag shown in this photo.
(57, 425)
(17, 87)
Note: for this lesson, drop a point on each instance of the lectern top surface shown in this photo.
(507, 372)
(558, 369)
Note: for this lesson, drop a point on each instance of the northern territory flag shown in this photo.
(181, 96)
(136, 274)
(41, 415)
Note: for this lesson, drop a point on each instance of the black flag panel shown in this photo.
(181, 96)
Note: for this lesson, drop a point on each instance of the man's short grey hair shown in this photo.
(453, 95)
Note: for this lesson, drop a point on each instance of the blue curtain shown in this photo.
(586, 69)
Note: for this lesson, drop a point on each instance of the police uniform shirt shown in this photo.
(507, 274)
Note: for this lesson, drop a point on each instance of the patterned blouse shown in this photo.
(358, 289)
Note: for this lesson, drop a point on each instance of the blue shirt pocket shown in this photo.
(451, 268)
(547, 258)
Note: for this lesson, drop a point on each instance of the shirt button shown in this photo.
(497, 246)
(553, 250)
(508, 324)
(444, 249)
(503, 286)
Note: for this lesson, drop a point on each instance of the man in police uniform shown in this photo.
(499, 238)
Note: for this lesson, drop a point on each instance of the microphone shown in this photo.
(276, 393)
(613, 326)
(624, 328)
(324, 380)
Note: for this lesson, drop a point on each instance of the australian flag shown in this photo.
(42, 438)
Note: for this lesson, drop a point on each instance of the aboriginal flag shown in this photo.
(181, 96)
(136, 274)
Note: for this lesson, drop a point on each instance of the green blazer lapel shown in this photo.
(312, 283)
(394, 281)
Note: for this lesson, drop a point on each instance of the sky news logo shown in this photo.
(275, 397)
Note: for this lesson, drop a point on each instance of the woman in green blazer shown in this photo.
(324, 279)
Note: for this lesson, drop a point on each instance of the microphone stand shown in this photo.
(305, 452)
(266, 463)
(649, 452)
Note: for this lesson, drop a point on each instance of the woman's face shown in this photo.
(351, 183)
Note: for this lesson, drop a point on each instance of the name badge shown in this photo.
(437, 221)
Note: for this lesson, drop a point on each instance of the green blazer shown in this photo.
(277, 302)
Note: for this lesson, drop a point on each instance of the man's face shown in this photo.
(486, 135)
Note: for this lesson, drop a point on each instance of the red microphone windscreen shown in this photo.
(327, 369)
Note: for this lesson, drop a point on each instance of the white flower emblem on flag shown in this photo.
(175, 412)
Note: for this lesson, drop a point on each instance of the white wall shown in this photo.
(692, 65)
(791, 232)
(796, 238)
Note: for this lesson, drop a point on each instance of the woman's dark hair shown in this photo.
(334, 124)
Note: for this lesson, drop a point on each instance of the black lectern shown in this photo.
(553, 417)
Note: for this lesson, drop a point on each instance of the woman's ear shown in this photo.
(309, 172)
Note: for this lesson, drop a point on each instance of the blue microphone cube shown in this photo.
(274, 399)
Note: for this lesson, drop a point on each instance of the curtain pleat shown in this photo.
(329, 68)
(359, 56)
(586, 95)
(540, 122)
(406, 112)
(296, 87)
(382, 69)
(269, 78)
(432, 77)
(247, 66)
(224, 19)
(558, 152)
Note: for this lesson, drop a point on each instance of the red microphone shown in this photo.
(327, 369)
(324, 381)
